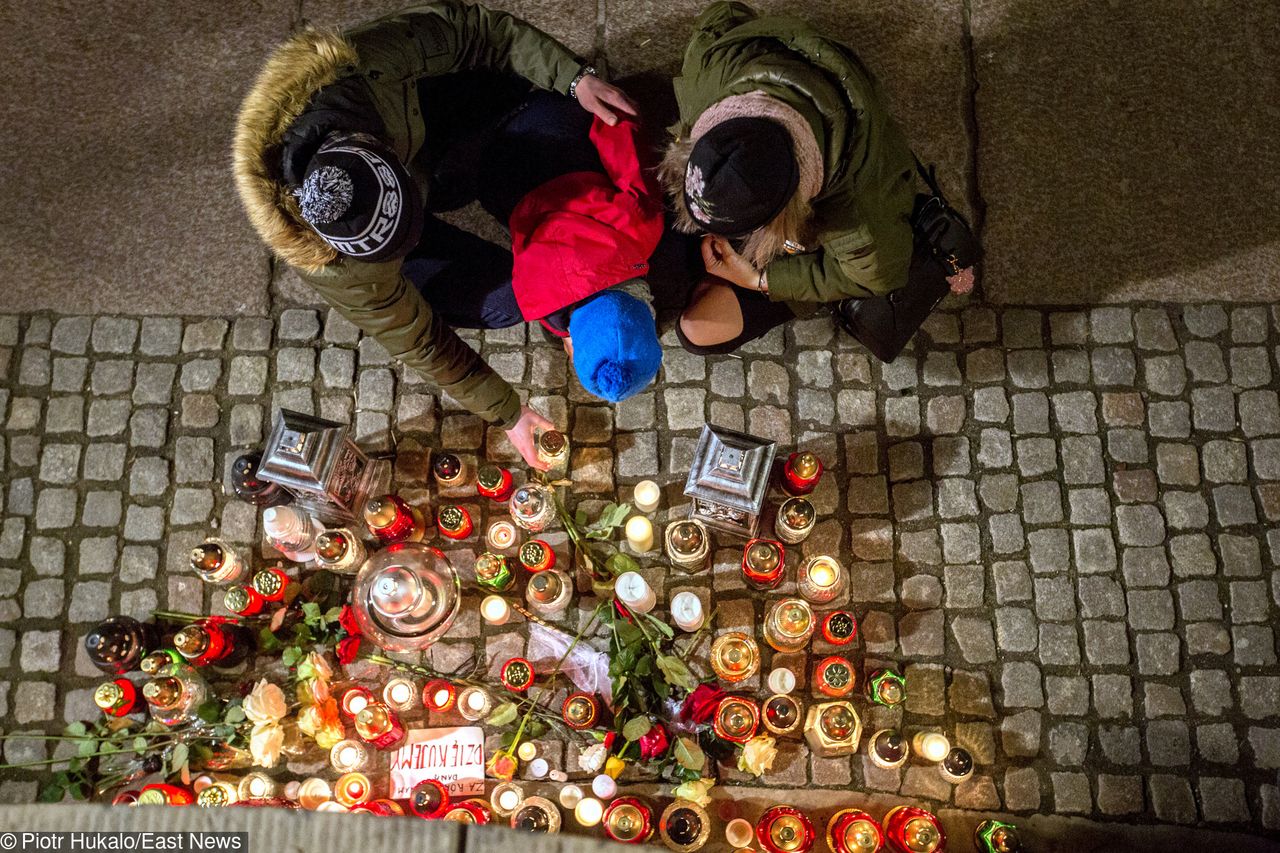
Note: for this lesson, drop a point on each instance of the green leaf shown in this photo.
(51, 793)
(580, 518)
(620, 562)
(508, 738)
(503, 715)
(677, 672)
(86, 747)
(636, 728)
(178, 759)
(689, 755)
(535, 729)
(291, 655)
(333, 614)
(79, 791)
(235, 714)
(210, 712)
(140, 745)
(267, 641)
(76, 729)
(644, 666)
(311, 612)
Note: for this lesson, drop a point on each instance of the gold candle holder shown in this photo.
(735, 657)
(788, 625)
(822, 580)
(781, 716)
(833, 729)
(736, 719)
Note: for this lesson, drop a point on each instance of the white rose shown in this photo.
(265, 744)
(757, 755)
(265, 705)
(592, 758)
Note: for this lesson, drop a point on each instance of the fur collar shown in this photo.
(296, 70)
(794, 222)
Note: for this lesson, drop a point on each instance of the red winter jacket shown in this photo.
(584, 232)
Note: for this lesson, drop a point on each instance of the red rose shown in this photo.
(609, 739)
(700, 705)
(348, 649)
(347, 621)
(654, 743)
(621, 610)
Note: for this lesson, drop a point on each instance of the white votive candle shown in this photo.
(931, 746)
(527, 751)
(501, 535)
(539, 768)
(647, 495)
(686, 611)
(495, 610)
(640, 534)
(604, 786)
(588, 811)
(782, 680)
(570, 796)
(634, 592)
(739, 833)
(399, 693)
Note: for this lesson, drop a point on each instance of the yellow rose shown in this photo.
(322, 723)
(320, 666)
(613, 766)
(265, 744)
(697, 791)
(265, 704)
(757, 755)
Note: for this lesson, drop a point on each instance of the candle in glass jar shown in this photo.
(495, 610)
(640, 534)
(589, 811)
(634, 592)
(647, 495)
(399, 693)
(355, 700)
(256, 786)
(313, 791)
(782, 680)
(788, 625)
(686, 611)
(505, 797)
(348, 755)
(439, 695)
(352, 789)
(821, 580)
(501, 535)
(739, 833)
(931, 746)
(474, 704)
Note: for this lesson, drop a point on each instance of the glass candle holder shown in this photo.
(536, 814)
(553, 451)
(628, 820)
(781, 680)
(243, 601)
(536, 556)
(783, 829)
(495, 610)
(454, 522)
(352, 789)
(379, 726)
(439, 696)
(256, 786)
(740, 833)
(780, 716)
(789, 625)
(736, 719)
(995, 836)
(833, 729)
(763, 563)
(888, 749)
(429, 799)
(908, 829)
(957, 766)
(801, 473)
(347, 756)
(580, 711)
(314, 791)
(930, 746)
(834, 677)
(735, 657)
(354, 700)
(505, 798)
(532, 507)
(474, 704)
(822, 579)
(473, 811)
(501, 536)
(684, 827)
(494, 572)
(887, 688)
(688, 545)
(549, 593)
(517, 675)
(588, 812)
(406, 597)
(494, 482)
(839, 628)
(853, 831)
(400, 693)
(794, 521)
(448, 470)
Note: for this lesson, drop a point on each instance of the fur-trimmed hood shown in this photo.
(297, 69)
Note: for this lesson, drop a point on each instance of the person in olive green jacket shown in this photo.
(787, 159)
(331, 166)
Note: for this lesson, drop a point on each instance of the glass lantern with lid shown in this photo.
(406, 597)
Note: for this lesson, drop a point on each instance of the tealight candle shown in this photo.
(931, 746)
(399, 693)
(782, 680)
(501, 535)
(355, 700)
(352, 789)
(634, 592)
(646, 496)
(348, 755)
(438, 695)
(686, 611)
(570, 796)
(821, 580)
(256, 786)
(313, 791)
(604, 787)
(495, 610)
(589, 811)
(739, 833)
(527, 751)
(474, 704)
(539, 768)
(505, 798)
(640, 534)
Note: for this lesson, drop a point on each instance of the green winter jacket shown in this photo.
(390, 56)
(861, 215)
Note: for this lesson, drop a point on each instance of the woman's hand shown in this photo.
(720, 259)
(605, 101)
(961, 282)
(522, 438)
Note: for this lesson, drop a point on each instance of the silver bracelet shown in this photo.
(573, 87)
(760, 282)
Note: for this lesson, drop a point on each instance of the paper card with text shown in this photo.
(453, 756)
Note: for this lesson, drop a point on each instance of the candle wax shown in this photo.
(527, 751)
(822, 575)
(495, 610)
(588, 811)
(475, 701)
(640, 533)
(647, 494)
(508, 800)
(400, 692)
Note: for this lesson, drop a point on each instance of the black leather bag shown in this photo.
(944, 245)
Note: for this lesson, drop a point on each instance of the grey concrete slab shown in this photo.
(117, 168)
(915, 48)
(1128, 150)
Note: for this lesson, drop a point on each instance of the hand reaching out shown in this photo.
(720, 259)
(521, 436)
(605, 101)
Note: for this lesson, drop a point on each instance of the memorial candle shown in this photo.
(687, 612)
(399, 693)
(822, 579)
(646, 496)
(640, 534)
(495, 610)
(634, 592)
(588, 812)
(931, 746)
(348, 755)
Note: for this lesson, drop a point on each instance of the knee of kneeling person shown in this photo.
(702, 337)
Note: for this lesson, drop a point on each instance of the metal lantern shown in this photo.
(728, 480)
(318, 463)
(406, 596)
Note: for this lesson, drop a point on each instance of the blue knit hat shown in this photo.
(615, 345)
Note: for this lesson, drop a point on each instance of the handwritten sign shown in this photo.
(453, 756)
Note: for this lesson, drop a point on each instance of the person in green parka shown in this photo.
(343, 151)
(787, 160)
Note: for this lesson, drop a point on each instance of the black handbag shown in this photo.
(944, 245)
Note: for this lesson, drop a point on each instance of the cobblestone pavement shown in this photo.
(1062, 524)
